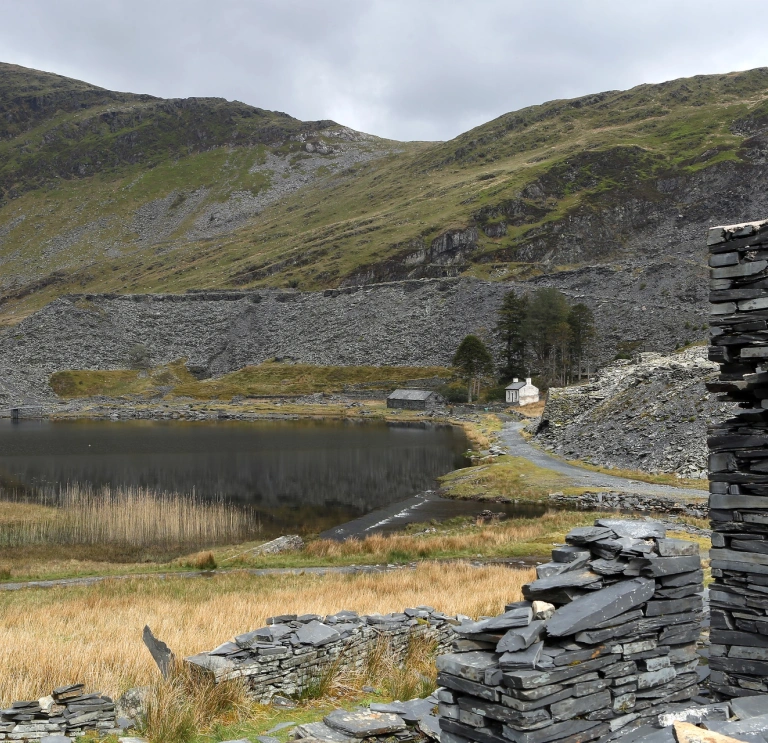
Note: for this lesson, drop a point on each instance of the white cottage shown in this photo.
(522, 393)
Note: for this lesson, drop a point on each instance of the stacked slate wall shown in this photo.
(738, 460)
(606, 638)
(292, 652)
(66, 712)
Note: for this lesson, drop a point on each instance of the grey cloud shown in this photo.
(406, 69)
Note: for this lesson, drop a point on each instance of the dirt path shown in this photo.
(518, 447)
(512, 562)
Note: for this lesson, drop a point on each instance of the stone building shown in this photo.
(521, 393)
(414, 399)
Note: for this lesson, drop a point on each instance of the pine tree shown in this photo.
(547, 312)
(473, 361)
(582, 323)
(510, 331)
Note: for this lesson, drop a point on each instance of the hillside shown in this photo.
(604, 196)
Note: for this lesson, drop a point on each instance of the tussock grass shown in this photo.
(188, 703)
(92, 634)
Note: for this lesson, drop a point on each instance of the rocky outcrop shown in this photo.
(650, 413)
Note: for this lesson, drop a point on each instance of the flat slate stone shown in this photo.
(569, 553)
(519, 617)
(758, 724)
(747, 707)
(521, 638)
(527, 658)
(634, 529)
(471, 666)
(364, 724)
(584, 535)
(676, 547)
(572, 579)
(586, 611)
(663, 566)
(60, 739)
(316, 633)
(321, 731)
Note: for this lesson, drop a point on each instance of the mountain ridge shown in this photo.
(625, 180)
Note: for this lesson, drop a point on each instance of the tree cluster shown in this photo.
(538, 335)
(543, 335)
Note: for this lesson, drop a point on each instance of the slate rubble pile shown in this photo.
(291, 652)
(604, 640)
(738, 459)
(66, 712)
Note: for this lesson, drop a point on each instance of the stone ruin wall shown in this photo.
(738, 459)
(293, 653)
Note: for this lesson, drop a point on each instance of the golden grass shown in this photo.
(269, 378)
(513, 538)
(93, 634)
(136, 517)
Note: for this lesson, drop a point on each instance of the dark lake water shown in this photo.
(298, 475)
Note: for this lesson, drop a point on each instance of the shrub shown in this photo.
(453, 392)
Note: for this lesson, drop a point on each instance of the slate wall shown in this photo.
(738, 459)
(293, 653)
(606, 639)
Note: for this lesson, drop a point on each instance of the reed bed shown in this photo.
(136, 517)
(93, 634)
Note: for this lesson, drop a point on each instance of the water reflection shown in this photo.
(298, 475)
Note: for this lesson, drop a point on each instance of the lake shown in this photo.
(299, 476)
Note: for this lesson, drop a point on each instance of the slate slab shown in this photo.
(364, 724)
(471, 666)
(522, 658)
(662, 566)
(747, 707)
(569, 553)
(634, 529)
(676, 547)
(521, 638)
(321, 731)
(518, 617)
(316, 633)
(583, 536)
(586, 611)
(572, 579)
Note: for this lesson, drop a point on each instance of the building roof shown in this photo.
(515, 386)
(410, 395)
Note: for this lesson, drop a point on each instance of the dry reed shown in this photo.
(93, 634)
(138, 517)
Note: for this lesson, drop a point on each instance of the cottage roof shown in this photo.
(516, 386)
(410, 395)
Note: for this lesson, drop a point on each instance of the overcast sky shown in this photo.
(405, 69)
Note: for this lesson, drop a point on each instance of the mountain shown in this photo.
(606, 196)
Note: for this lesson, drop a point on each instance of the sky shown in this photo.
(403, 69)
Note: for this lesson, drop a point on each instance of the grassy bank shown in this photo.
(267, 379)
(460, 538)
(505, 478)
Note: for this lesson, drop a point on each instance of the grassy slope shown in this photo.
(529, 167)
(265, 379)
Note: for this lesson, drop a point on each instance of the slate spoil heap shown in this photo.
(67, 712)
(738, 460)
(605, 638)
